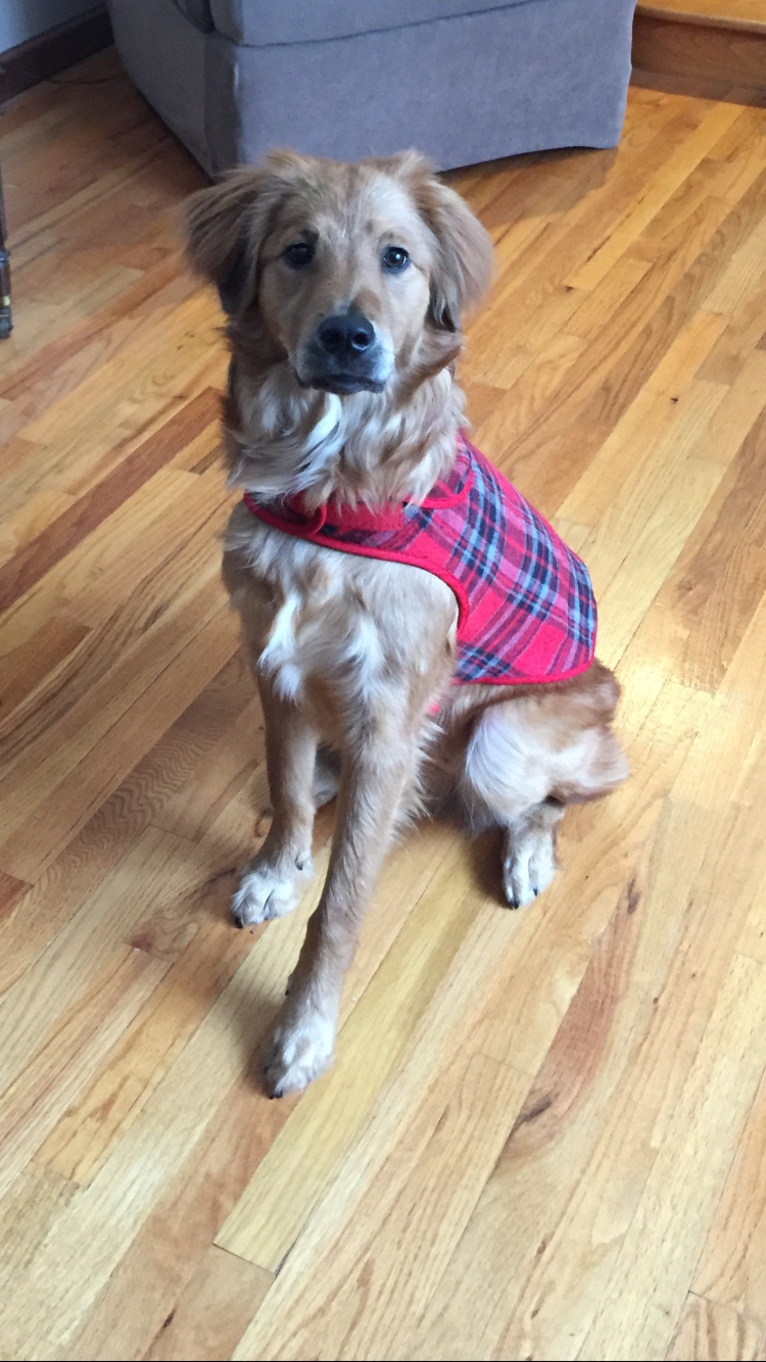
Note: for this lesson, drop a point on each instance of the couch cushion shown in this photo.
(197, 12)
(257, 23)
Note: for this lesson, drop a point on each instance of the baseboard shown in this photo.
(697, 87)
(51, 52)
(700, 52)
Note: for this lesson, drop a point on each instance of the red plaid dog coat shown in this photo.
(525, 602)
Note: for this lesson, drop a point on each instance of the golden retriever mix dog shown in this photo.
(376, 658)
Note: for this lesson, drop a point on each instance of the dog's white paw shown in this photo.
(264, 892)
(302, 1048)
(529, 864)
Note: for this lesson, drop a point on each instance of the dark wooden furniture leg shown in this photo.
(6, 325)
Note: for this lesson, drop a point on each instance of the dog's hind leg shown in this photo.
(530, 756)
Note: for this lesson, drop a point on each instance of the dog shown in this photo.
(345, 286)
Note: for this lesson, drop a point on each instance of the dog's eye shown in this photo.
(297, 255)
(395, 258)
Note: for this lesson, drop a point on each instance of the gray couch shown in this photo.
(461, 81)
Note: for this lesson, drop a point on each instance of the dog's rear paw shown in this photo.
(264, 892)
(529, 864)
(301, 1050)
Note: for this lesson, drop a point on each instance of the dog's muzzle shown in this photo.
(345, 355)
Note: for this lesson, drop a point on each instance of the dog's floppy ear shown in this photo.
(226, 224)
(463, 267)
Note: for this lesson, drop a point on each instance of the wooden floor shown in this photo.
(544, 1135)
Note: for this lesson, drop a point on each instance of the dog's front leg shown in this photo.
(270, 884)
(376, 779)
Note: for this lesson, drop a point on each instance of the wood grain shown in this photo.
(730, 1271)
(64, 533)
(212, 1310)
(132, 1307)
(707, 1330)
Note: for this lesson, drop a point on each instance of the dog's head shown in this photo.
(343, 268)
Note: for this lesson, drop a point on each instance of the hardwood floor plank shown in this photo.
(28, 928)
(80, 1142)
(62, 972)
(709, 1331)
(730, 1271)
(572, 1175)
(150, 612)
(140, 383)
(657, 516)
(26, 568)
(675, 170)
(64, 1062)
(714, 768)
(678, 366)
(542, 250)
(101, 1223)
(240, 749)
(652, 428)
(733, 287)
(33, 1201)
(691, 1166)
(606, 379)
(706, 605)
(212, 1311)
(130, 1310)
(93, 761)
(425, 1190)
(93, 336)
(31, 520)
(601, 301)
(11, 890)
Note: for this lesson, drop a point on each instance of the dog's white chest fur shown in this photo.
(329, 617)
(283, 658)
(319, 610)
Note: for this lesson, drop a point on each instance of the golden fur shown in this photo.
(350, 653)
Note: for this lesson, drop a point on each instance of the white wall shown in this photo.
(22, 19)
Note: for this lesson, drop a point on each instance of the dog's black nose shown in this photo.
(346, 334)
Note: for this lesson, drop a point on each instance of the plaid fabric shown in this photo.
(526, 608)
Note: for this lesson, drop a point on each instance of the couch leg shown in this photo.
(6, 324)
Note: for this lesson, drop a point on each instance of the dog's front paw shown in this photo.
(265, 891)
(302, 1048)
(529, 865)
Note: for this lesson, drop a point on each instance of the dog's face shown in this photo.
(344, 283)
(344, 267)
